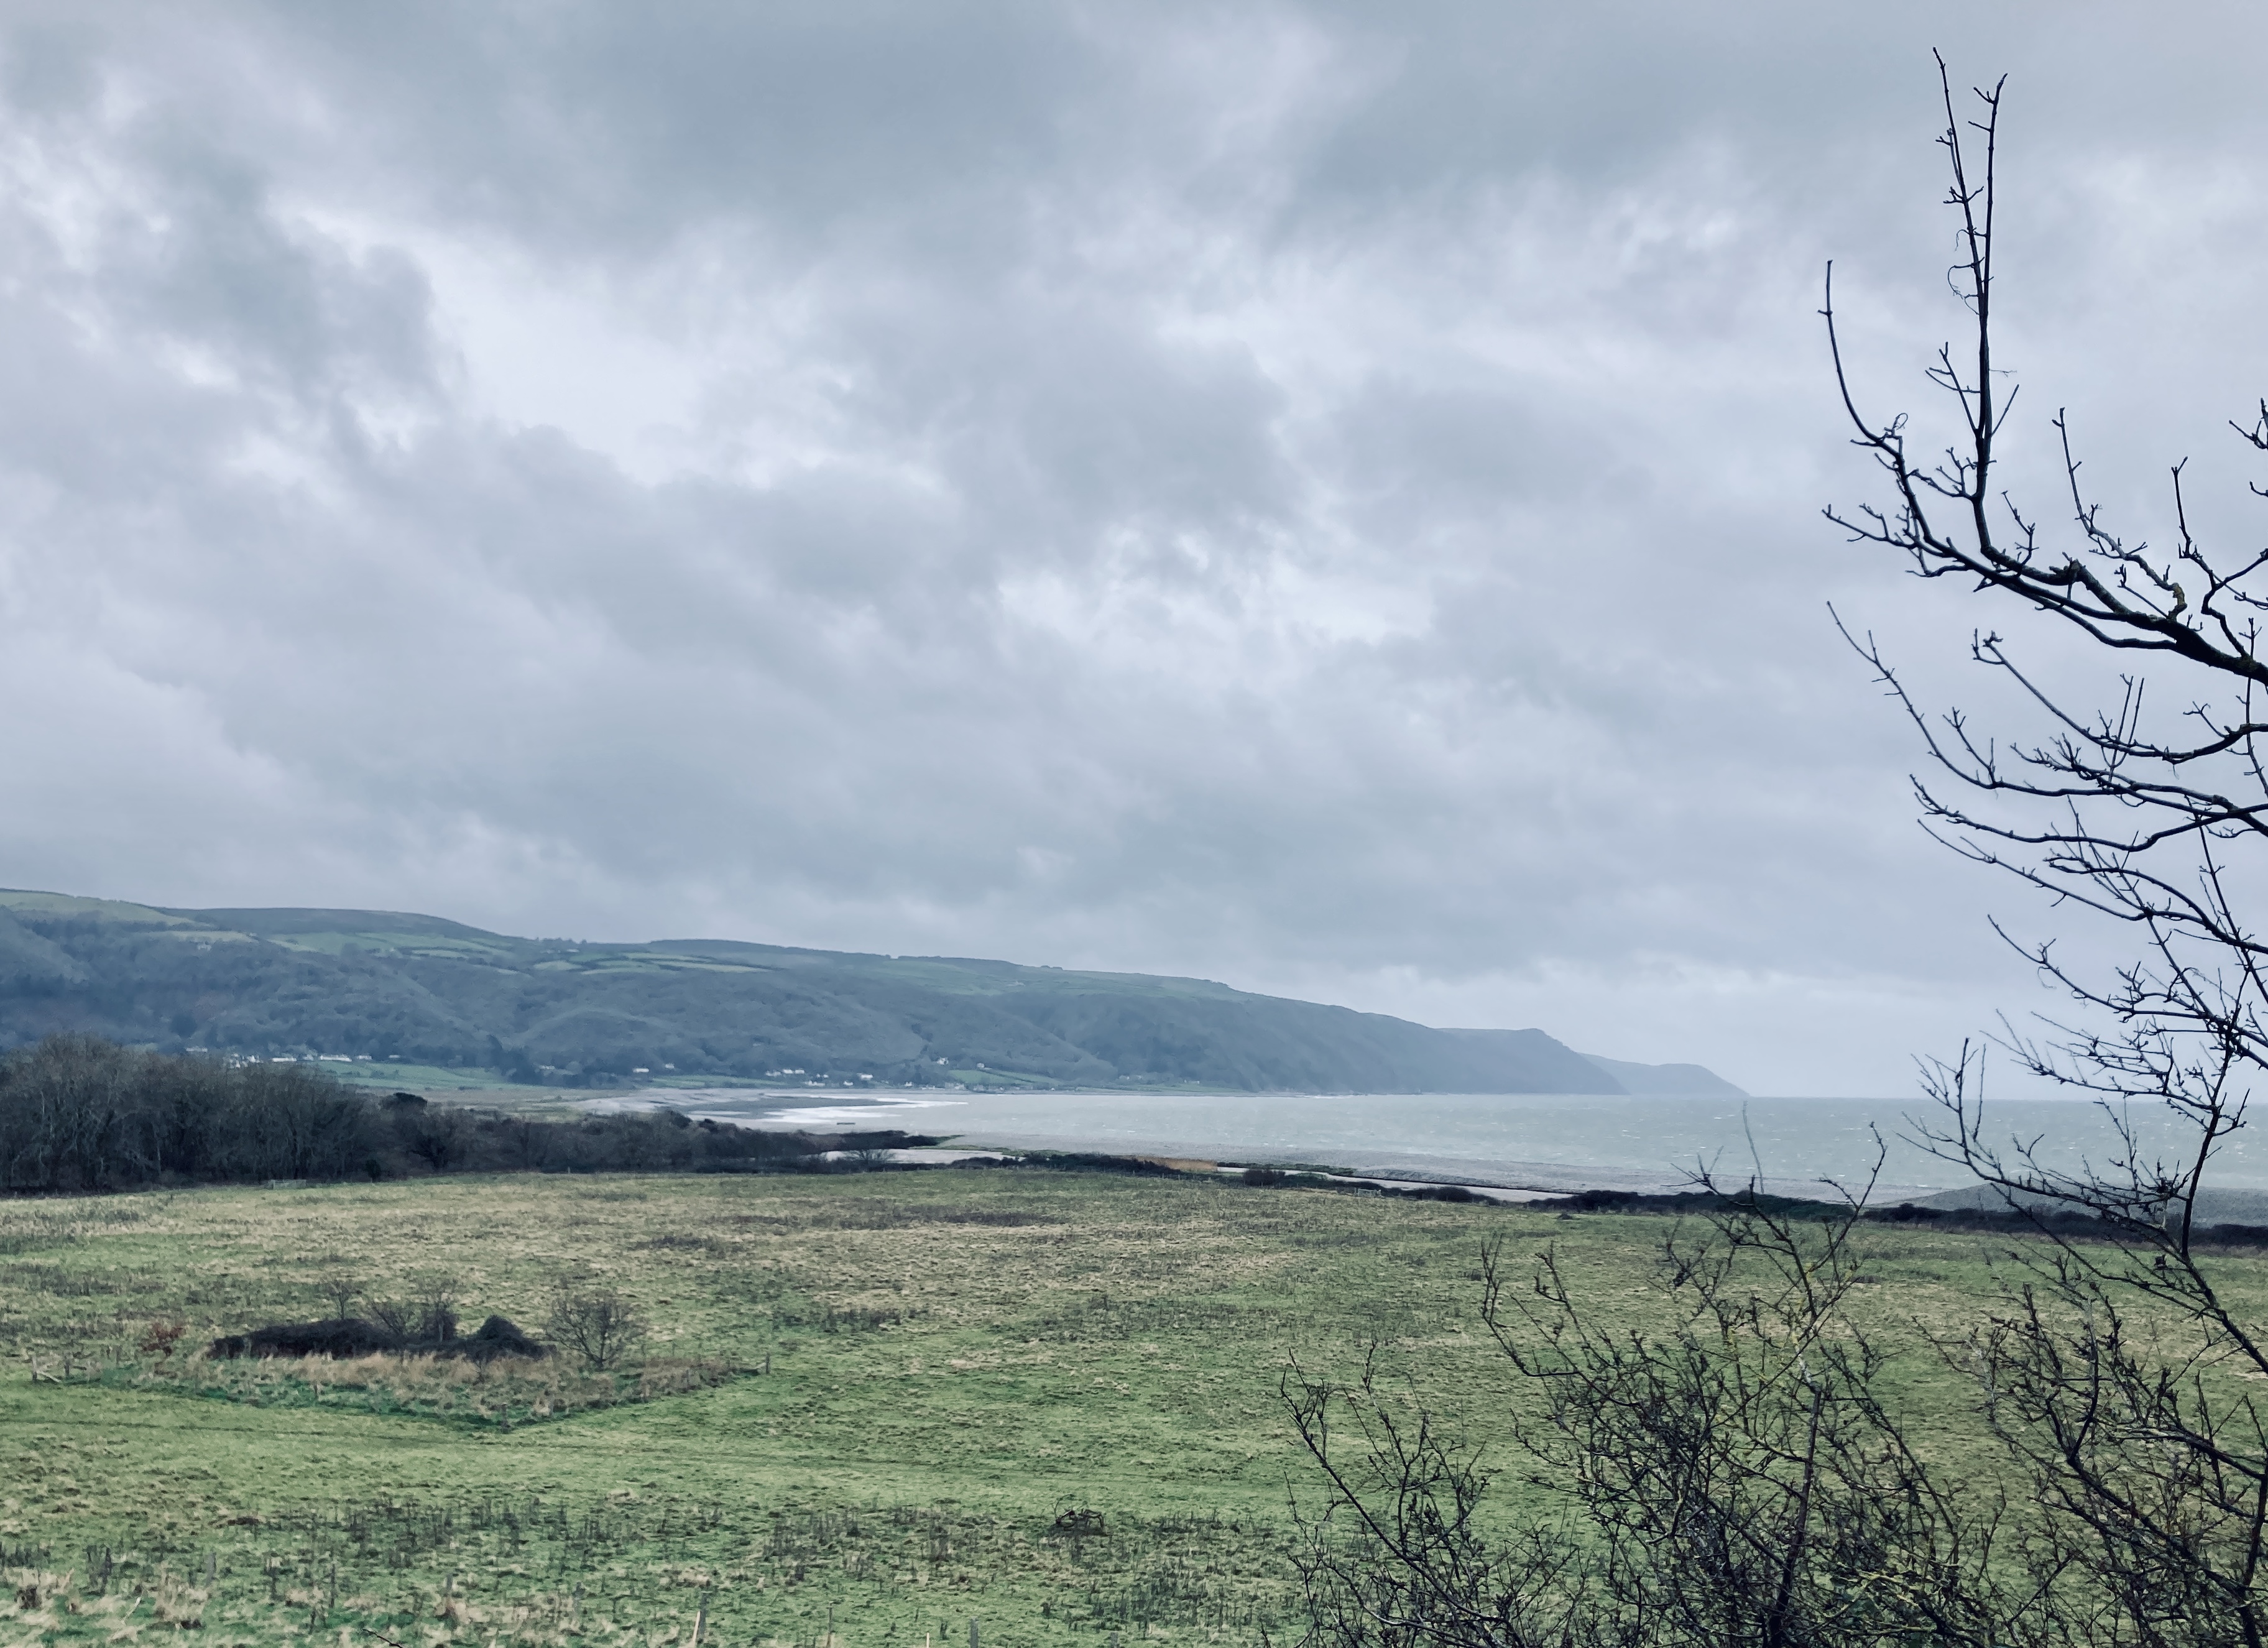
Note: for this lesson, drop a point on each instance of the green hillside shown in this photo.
(415, 989)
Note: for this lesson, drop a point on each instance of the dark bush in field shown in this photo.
(349, 1338)
(499, 1337)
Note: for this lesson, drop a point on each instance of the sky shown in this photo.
(1321, 497)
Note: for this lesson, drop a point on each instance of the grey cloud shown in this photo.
(1278, 495)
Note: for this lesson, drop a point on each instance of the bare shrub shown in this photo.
(599, 1326)
(340, 1291)
(1731, 1475)
(436, 1303)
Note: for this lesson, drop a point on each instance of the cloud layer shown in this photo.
(1267, 492)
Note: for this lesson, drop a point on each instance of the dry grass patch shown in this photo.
(509, 1391)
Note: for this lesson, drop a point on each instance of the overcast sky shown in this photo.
(1323, 497)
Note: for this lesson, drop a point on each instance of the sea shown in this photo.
(1541, 1141)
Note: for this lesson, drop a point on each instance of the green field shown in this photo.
(423, 1078)
(1043, 1400)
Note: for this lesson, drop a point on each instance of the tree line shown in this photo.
(78, 1112)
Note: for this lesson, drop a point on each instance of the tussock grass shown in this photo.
(506, 1392)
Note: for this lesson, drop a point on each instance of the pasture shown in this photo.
(871, 1407)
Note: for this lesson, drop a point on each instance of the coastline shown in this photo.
(1483, 1142)
(1522, 1180)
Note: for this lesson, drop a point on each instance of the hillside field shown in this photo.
(894, 1401)
(385, 995)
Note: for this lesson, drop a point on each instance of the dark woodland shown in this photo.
(80, 1113)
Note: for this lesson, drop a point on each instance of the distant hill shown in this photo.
(1648, 1081)
(1667, 1081)
(389, 986)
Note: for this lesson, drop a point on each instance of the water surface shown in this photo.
(1537, 1140)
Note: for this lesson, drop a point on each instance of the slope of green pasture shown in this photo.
(393, 984)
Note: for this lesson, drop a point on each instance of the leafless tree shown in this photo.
(597, 1325)
(2120, 1373)
(397, 1317)
(340, 1291)
(1730, 1471)
(427, 1316)
(435, 1303)
(2137, 816)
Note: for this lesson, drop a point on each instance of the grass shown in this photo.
(424, 1078)
(503, 1393)
(1045, 1401)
